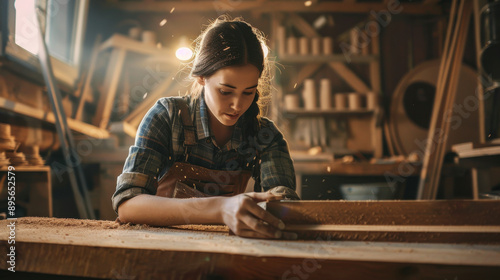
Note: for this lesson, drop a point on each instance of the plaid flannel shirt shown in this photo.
(159, 143)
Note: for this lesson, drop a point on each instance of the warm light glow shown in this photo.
(26, 27)
(308, 3)
(184, 53)
(163, 22)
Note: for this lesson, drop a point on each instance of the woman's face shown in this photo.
(230, 91)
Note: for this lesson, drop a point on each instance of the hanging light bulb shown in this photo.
(184, 52)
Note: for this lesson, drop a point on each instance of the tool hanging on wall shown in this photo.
(445, 97)
(75, 172)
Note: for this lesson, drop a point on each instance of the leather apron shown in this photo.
(184, 180)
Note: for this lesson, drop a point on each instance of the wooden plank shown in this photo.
(468, 221)
(124, 42)
(449, 89)
(352, 79)
(100, 249)
(74, 125)
(445, 95)
(123, 128)
(480, 90)
(111, 80)
(396, 228)
(393, 212)
(87, 87)
(277, 6)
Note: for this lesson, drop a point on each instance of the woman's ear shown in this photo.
(200, 80)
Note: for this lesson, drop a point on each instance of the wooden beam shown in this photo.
(480, 89)
(399, 221)
(443, 104)
(123, 128)
(274, 6)
(87, 86)
(38, 114)
(303, 26)
(305, 72)
(111, 80)
(352, 79)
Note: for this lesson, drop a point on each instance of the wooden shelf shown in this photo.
(333, 112)
(327, 58)
(27, 168)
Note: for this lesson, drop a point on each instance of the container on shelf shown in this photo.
(316, 46)
(291, 45)
(354, 101)
(340, 101)
(371, 100)
(304, 46)
(327, 45)
(292, 101)
(325, 94)
(309, 94)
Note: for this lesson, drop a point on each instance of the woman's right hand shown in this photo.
(247, 219)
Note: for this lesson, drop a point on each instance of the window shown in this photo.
(63, 22)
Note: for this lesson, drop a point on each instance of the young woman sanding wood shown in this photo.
(194, 155)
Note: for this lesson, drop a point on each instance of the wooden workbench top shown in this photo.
(102, 248)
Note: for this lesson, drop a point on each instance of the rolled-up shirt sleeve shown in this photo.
(276, 167)
(147, 156)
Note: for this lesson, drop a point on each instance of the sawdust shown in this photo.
(35, 222)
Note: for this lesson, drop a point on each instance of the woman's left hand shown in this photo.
(245, 218)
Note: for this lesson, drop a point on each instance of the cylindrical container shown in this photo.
(371, 100)
(309, 94)
(149, 37)
(292, 101)
(315, 46)
(281, 35)
(340, 101)
(327, 45)
(354, 101)
(291, 45)
(325, 94)
(304, 45)
(135, 33)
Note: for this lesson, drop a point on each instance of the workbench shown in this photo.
(46, 247)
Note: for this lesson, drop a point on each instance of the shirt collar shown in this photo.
(203, 128)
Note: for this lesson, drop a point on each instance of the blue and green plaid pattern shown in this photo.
(159, 143)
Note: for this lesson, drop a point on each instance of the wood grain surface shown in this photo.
(444, 221)
(105, 249)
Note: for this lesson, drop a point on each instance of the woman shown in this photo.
(209, 143)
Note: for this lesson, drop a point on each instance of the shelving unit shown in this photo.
(357, 120)
(33, 189)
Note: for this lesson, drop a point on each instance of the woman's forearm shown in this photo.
(163, 211)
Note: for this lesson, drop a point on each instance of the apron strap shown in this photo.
(187, 125)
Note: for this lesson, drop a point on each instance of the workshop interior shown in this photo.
(390, 110)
